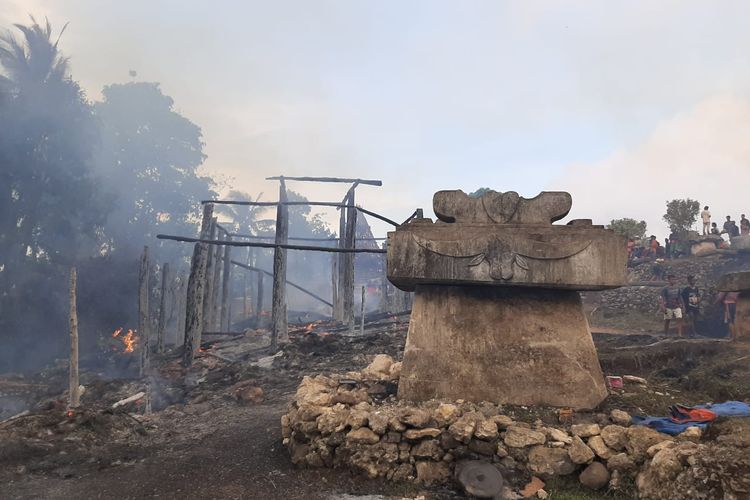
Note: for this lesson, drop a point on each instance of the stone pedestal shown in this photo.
(520, 346)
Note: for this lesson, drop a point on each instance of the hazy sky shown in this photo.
(625, 104)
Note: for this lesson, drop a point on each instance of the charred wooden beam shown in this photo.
(162, 325)
(335, 238)
(196, 290)
(74, 394)
(209, 241)
(290, 283)
(216, 287)
(210, 270)
(143, 321)
(347, 283)
(368, 182)
(225, 282)
(259, 297)
(279, 331)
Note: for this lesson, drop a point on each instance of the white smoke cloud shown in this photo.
(703, 154)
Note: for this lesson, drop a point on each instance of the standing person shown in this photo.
(729, 299)
(670, 303)
(715, 229)
(729, 226)
(653, 246)
(667, 248)
(706, 217)
(691, 297)
(744, 226)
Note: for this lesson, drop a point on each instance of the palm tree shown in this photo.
(34, 60)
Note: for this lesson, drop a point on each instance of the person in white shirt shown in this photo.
(706, 216)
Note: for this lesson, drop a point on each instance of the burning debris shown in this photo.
(128, 341)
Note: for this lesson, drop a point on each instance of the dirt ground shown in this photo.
(211, 436)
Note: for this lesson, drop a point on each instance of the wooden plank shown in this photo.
(162, 325)
(290, 283)
(74, 395)
(348, 275)
(259, 297)
(225, 283)
(362, 313)
(187, 239)
(368, 182)
(279, 327)
(216, 287)
(143, 321)
(209, 277)
(196, 289)
(334, 284)
(338, 312)
(291, 238)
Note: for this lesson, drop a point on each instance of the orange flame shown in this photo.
(69, 413)
(129, 340)
(309, 327)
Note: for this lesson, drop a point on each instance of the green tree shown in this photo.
(630, 228)
(149, 161)
(682, 214)
(479, 192)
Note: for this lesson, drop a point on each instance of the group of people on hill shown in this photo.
(679, 303)
(729, 228)
(674, 246)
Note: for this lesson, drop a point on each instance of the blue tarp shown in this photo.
(669, 426)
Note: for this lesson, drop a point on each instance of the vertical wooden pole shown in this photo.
(225, 287)
(213, 324)
(181, 300)
(74, 396)
(259, 298)
(348, 284)
(338, 305)
(279, 332)
(162, 309)
(334, 284)
(143, 322)
(196, 290)
(362, 313)
(210, 270)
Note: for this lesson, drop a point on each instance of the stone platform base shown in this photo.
(512, 346)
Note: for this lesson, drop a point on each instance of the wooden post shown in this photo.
(279, 332)
(215, 288)
(210, 269)
(162, 309)
(225, 288)
(334, 285)
(362, 313)
(338, 310)
(74, 395)
(143, 324)
(348, 275)
(259, 298)
(181, 300)
(196, 290)
(245, 311)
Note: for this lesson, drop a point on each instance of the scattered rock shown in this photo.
(615, 437)
(428, 449)
(379, 369)
(641, 438)
(463, 429)
(620, 417)
(595, 476)
(580, 453)
(315, 391)
(550, 461)
(362, 435)
(585, 430)
(692, 433)
(486, 429)
(635, 380)
(432, 472)
(653, 450)
(558, 435)
(532, 487)
(621, 463)
(503, 421)
(416, 417)
(417, 434)
(446, 414)
(597, 444)
(520, 437)
(249, 395)
(482, 447)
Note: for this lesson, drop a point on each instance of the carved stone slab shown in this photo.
(501, 208)
(572, 257)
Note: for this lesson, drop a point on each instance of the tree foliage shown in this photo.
(479, 192)
(682, 214)
(630, 228)
(148, 163)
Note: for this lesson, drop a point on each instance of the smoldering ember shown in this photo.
(312, 332)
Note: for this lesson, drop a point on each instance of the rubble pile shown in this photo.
(354, 421)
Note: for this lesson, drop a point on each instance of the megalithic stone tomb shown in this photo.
(497, 315)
